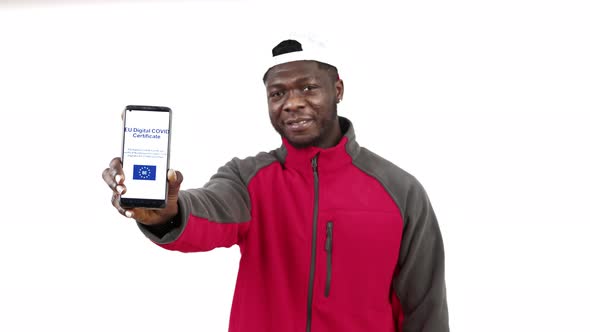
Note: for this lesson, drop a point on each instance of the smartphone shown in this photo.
(146, 155)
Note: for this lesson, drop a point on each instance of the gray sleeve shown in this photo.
(420, 279)
(218, 212)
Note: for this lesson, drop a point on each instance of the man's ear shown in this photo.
(339, 85)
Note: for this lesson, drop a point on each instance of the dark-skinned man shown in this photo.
(332, 236)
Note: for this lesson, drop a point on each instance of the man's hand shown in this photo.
(114, 178)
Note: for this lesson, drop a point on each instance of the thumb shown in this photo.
(174, 181)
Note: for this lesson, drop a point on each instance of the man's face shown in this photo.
(302, 101)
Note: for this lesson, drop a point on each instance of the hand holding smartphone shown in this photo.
(146, 156)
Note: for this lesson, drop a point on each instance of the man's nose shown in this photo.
(294, 102)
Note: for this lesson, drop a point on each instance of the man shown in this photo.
(332, 236)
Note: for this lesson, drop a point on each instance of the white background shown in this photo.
(486, 103)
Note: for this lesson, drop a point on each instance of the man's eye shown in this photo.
(309, 87)
(276, 94)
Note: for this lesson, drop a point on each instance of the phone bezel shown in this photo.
(146, 202)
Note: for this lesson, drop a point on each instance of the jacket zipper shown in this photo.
(316, 202)
(329, 235)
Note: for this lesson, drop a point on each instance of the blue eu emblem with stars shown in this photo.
(144, 172)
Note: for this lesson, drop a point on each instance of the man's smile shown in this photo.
(298, 124)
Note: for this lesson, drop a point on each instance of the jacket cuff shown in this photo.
(169, 231)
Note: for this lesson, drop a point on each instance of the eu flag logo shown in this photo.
(144, 172)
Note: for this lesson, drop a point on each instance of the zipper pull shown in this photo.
(314, 163)
(329, 230)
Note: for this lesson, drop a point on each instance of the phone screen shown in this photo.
(145, 156)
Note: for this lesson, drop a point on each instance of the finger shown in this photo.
(174, 178)
(114, 176)
(174, 181)
(113, 180)
(116, 165)
(117, 205)
(108, 178)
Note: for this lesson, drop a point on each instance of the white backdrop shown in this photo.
(486, 103)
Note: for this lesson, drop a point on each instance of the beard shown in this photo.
(312, 141)
(302, 145)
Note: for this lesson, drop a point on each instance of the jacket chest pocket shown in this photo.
(359, 256)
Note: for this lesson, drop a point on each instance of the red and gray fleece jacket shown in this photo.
(335, 239)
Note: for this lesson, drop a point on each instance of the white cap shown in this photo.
(300, 48)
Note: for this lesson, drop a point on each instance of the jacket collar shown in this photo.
(343, 153)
